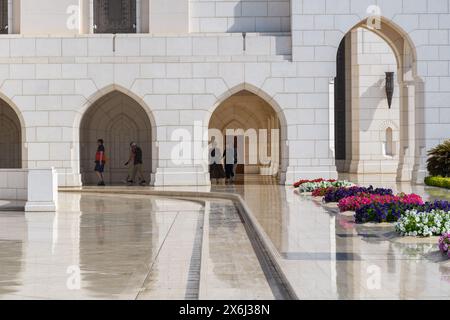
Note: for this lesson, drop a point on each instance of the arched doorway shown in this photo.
(252, 125)
(10, 138)
(117, 119)
(364, 116)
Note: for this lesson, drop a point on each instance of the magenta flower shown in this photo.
(444, 243)
(353, 203)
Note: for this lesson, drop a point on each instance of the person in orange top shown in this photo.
(100, 161)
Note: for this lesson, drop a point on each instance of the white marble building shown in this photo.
(72, 70)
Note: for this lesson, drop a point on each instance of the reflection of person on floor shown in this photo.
(137, 164)
(100, 220)
(215, 162)
(130, 164)
(100, 161)
(230, 156)
(235, 160)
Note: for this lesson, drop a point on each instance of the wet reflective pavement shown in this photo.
(129, 247)
(326, 256)
(148, 247)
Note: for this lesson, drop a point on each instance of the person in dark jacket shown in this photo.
(100, 160)
(215, 162)
(137, 164)
(230, 158)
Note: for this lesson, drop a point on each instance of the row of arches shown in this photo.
(118, 118)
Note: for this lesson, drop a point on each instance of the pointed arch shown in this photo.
(258, 92)
(108, 89)
(12, 135)
(118, 116)
(399, 41)
(269, 107)
(407, 131)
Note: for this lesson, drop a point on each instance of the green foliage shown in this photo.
(438, 182)
(438, 163)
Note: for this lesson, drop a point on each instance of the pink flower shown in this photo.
(353, 203)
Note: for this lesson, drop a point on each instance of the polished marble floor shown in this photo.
(325, 255)
(129, 247)
(120, 246)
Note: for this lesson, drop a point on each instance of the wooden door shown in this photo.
(3, 16)
(115, 16)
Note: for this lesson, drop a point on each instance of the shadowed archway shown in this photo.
(246, 114)
(117, 119)
(10, 137)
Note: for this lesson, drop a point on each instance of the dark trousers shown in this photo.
(229, 171)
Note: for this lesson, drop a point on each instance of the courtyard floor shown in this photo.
(158, 246)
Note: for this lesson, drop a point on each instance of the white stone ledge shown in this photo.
(145, 45)
(144, 35)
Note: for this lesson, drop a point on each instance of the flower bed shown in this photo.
(353, 203)
(392, 212)
(299, 183)
(428, 223)
(320, 192)
(444, 243)
(338, 194)
(311, 186)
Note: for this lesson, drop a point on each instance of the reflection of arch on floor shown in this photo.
(351, 155)
(246, 110)
(10, 137)
(117, 119)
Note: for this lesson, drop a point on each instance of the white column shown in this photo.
(91, 16)
(411, 158)
(10, 16)
(331, 118)
(138, 16)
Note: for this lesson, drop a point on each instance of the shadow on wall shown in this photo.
(258, 16)
(377, 97)
(271, 17)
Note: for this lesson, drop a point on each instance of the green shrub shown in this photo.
(438, 181)
(438, 163)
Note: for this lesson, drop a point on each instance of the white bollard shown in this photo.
(42, 190)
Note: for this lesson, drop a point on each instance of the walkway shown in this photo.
(129, 247)
(146, 247)
(326, 256)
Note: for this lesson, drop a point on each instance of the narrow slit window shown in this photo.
(389, 143)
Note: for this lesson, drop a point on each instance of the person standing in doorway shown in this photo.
(235, 158)
(130, 164)
(100, 160)
(229, 157)
(137, 164)
(215, 162)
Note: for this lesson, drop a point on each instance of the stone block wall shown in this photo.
(13, 184)
(51, 81)
(240, 16)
